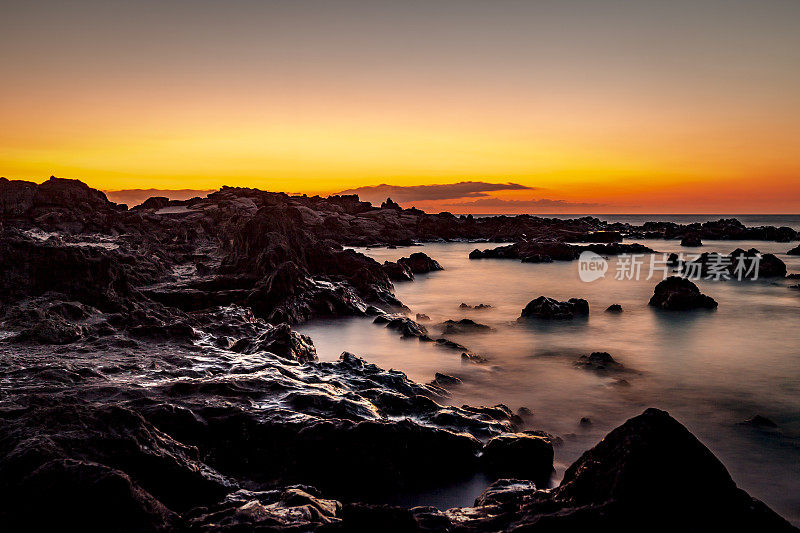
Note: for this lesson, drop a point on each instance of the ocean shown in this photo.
(711, 370)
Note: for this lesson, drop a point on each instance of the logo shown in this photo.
(591, 267)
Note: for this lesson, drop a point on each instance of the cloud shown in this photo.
(137, 196)
(421, 193)
(491, 205)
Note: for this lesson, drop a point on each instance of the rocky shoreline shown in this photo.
(151, 379)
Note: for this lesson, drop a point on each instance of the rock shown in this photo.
(419, 263)
(760, 421)
(640, 469)
(585, 421)
(398, 271)
(524, 412)
(520, 456)
(403, 324)
(154, 202)
(389, 204)
(676, 293)
(691, 240)
(465, 325)
(614, 308)
(85, 496)
(765, 265)
(506, 492)
(794, 251)
(422, 317)
(548, 308)
(598, 361)
(443, 380)
(478, 307)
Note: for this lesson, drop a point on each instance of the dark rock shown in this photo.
(506, 492)
(478, 307)
(85, 496)
(389, 204)
(398, 271)
(691, 240)
(524, 412)
(614, 308)
(465, 325)
(676, 293)
(760, 421)
(598, 361)
(520, 456)
(548, 308)
(794, 251)
(442, 380)
(422, 317)
(403, 324)
(419, 263)
(585, 421)
(640, 470)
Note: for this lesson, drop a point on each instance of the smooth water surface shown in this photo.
(709, 369)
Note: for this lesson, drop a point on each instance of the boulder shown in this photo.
(520, 456)
(549, 308)
(419, 263)
(691, 240)
(679, 294)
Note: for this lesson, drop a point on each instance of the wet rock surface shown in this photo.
(150, 379)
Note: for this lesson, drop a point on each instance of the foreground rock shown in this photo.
(152, 380)
(549, 308)
(680, 294)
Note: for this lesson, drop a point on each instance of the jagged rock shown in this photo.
(422, 317)
(478, 307)
(614, 308)
(676, 293)
(398, 271)
(548, 308)
(389, 204)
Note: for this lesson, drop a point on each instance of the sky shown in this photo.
(603, 106)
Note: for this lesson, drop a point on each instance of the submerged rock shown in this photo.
(614, 308)
(679, 294)
(760, 421)
(465, 325)
(548, 308)
(599, 361)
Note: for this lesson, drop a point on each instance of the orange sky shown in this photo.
(630, 108)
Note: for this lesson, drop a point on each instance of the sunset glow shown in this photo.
(678, 108)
